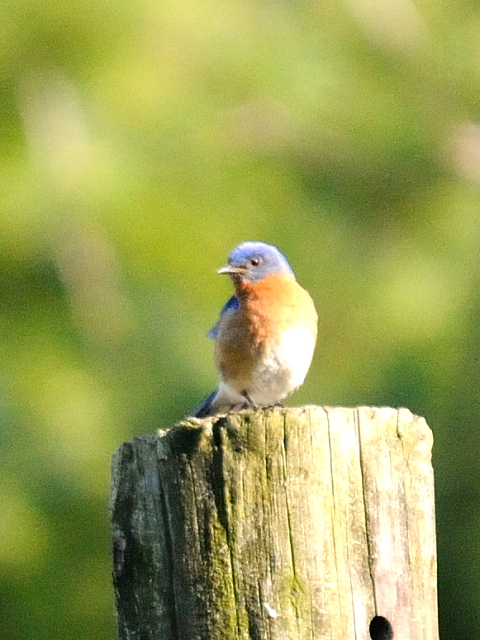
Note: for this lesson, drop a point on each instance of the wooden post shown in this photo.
(280, 524)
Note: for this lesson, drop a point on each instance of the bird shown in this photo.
(266, 333)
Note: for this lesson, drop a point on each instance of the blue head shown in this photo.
(253, 261)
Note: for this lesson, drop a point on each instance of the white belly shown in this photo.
(285, 367)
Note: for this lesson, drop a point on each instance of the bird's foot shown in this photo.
(249, 402)
(273, 405)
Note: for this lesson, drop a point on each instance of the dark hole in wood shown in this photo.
(380, 629)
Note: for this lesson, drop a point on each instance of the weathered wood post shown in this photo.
(280, 524)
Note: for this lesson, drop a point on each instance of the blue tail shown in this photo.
(205, 409)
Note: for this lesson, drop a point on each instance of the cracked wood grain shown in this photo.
(280, 524)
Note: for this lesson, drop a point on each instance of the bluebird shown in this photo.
(266, 334)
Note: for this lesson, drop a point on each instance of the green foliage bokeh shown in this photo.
(141, 141)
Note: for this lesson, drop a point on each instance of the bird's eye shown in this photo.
(255, 262)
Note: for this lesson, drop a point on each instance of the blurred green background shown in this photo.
(141, 141)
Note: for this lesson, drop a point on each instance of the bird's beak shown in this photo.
(229, 270)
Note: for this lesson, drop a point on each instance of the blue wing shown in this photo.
(230, 306)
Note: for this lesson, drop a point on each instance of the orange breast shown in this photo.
(278, 303)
